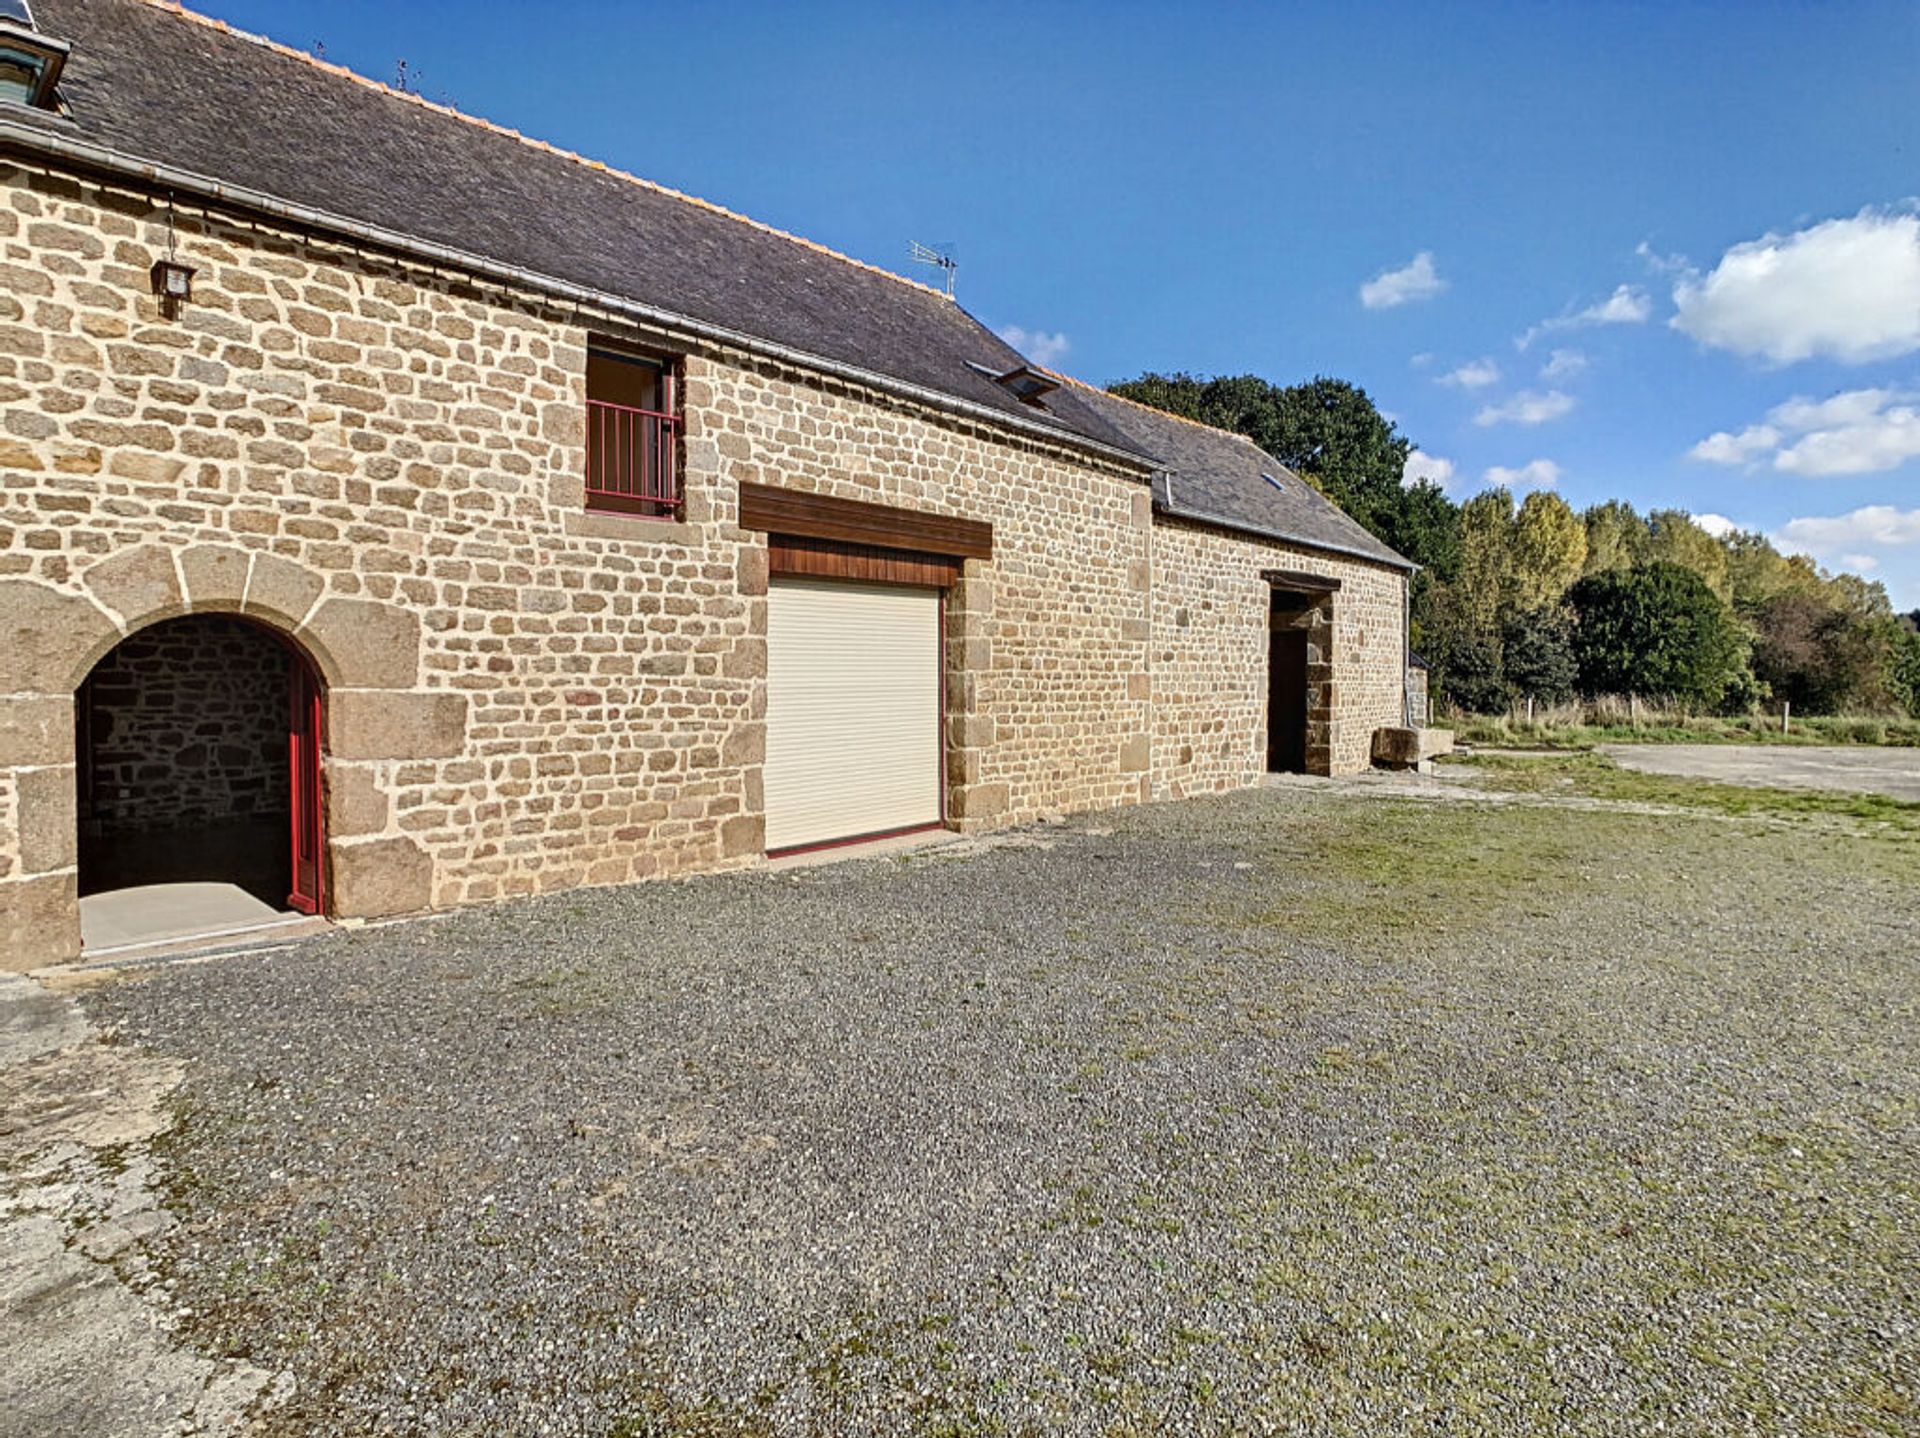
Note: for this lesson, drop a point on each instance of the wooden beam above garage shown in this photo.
(1298, 581)
(852, 521)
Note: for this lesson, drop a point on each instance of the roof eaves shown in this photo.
(44, 144)
(1175, 510)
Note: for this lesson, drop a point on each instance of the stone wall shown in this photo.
(186, 725)
(387, 467)
(1210, 657)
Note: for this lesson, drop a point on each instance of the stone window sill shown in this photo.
(637, 528)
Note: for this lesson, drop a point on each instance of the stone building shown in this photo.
(398, 513)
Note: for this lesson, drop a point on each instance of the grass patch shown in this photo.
(1595, 776)
(1403, 870)
(1584, 727)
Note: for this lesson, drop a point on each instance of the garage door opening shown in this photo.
(853, 712)
(199, 784)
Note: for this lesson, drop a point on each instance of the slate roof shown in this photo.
(174, 89)
(1214, 476)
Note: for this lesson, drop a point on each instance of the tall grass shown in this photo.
(1617, 718)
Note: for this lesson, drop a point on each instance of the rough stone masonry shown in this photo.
(385, 465)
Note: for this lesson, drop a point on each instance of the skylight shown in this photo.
(30, 62)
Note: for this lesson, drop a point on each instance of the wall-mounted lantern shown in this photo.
(173, 283)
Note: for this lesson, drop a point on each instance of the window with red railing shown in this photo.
(633, 436)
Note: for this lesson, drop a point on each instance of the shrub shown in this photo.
(1655, 629)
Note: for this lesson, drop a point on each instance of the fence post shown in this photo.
(1529, 711)
(1786, 715)
(1633, 711)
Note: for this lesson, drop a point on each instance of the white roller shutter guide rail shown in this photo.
(853, 710)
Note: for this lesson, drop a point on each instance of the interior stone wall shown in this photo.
(184, 723)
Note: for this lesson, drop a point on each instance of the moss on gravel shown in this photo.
(1290, 1111)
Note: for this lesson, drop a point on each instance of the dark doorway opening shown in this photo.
(1287, 687)
(198, 762)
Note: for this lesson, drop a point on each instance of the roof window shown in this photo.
(1024, 382)
(30, 63)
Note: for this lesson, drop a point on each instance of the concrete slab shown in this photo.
(1849, 769)
(91, 1343)
(160, 913)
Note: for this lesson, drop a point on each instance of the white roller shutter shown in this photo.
(853, 710)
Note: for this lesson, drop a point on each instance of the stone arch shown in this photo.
(198, 760)
(368, 655)
(353, 643)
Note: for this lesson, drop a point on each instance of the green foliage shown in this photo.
(1549, 550)
(1904, 672)
(1616, 537)
(1655, 629)
(1673, 538)
(1492, 574)
(1820, 656)
(1537, 647)
(1329, 432)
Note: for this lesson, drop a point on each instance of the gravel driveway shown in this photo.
(1287, 1112)
(1846, 768)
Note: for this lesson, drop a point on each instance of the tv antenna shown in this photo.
(939, 256)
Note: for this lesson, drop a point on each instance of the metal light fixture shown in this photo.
(173, 283)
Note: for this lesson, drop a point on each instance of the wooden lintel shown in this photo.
(852, 521)
(1299, 581)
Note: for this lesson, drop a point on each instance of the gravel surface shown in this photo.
(1294, 1112)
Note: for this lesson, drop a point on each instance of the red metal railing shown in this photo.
(631, 460)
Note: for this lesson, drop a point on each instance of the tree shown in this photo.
(1549, 549)
(1655, 629)
(1327, 430)
(1903, 678)
(1537, 653)
(1616, 537)
(1673, 538)
(1486, 559)
(1756, 571)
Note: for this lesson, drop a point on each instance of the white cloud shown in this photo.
(1421, 465)
(1627, 305)
(1662, 264)
(1842, 289)
(1886, 441)
(1718, 525)
(1535, 474)
(1474, 374)
(1563, 364)
(1725, 447)
(1860, 431)
(1037, 345)
(1415, 280)
(1845, 537)
(1527, 407)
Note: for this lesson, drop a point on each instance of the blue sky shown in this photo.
(1663, 252)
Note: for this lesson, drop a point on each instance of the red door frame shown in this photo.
(308, 850)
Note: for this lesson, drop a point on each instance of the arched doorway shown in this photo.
(197, 743)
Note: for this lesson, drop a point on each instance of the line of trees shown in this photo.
(1538, 600)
